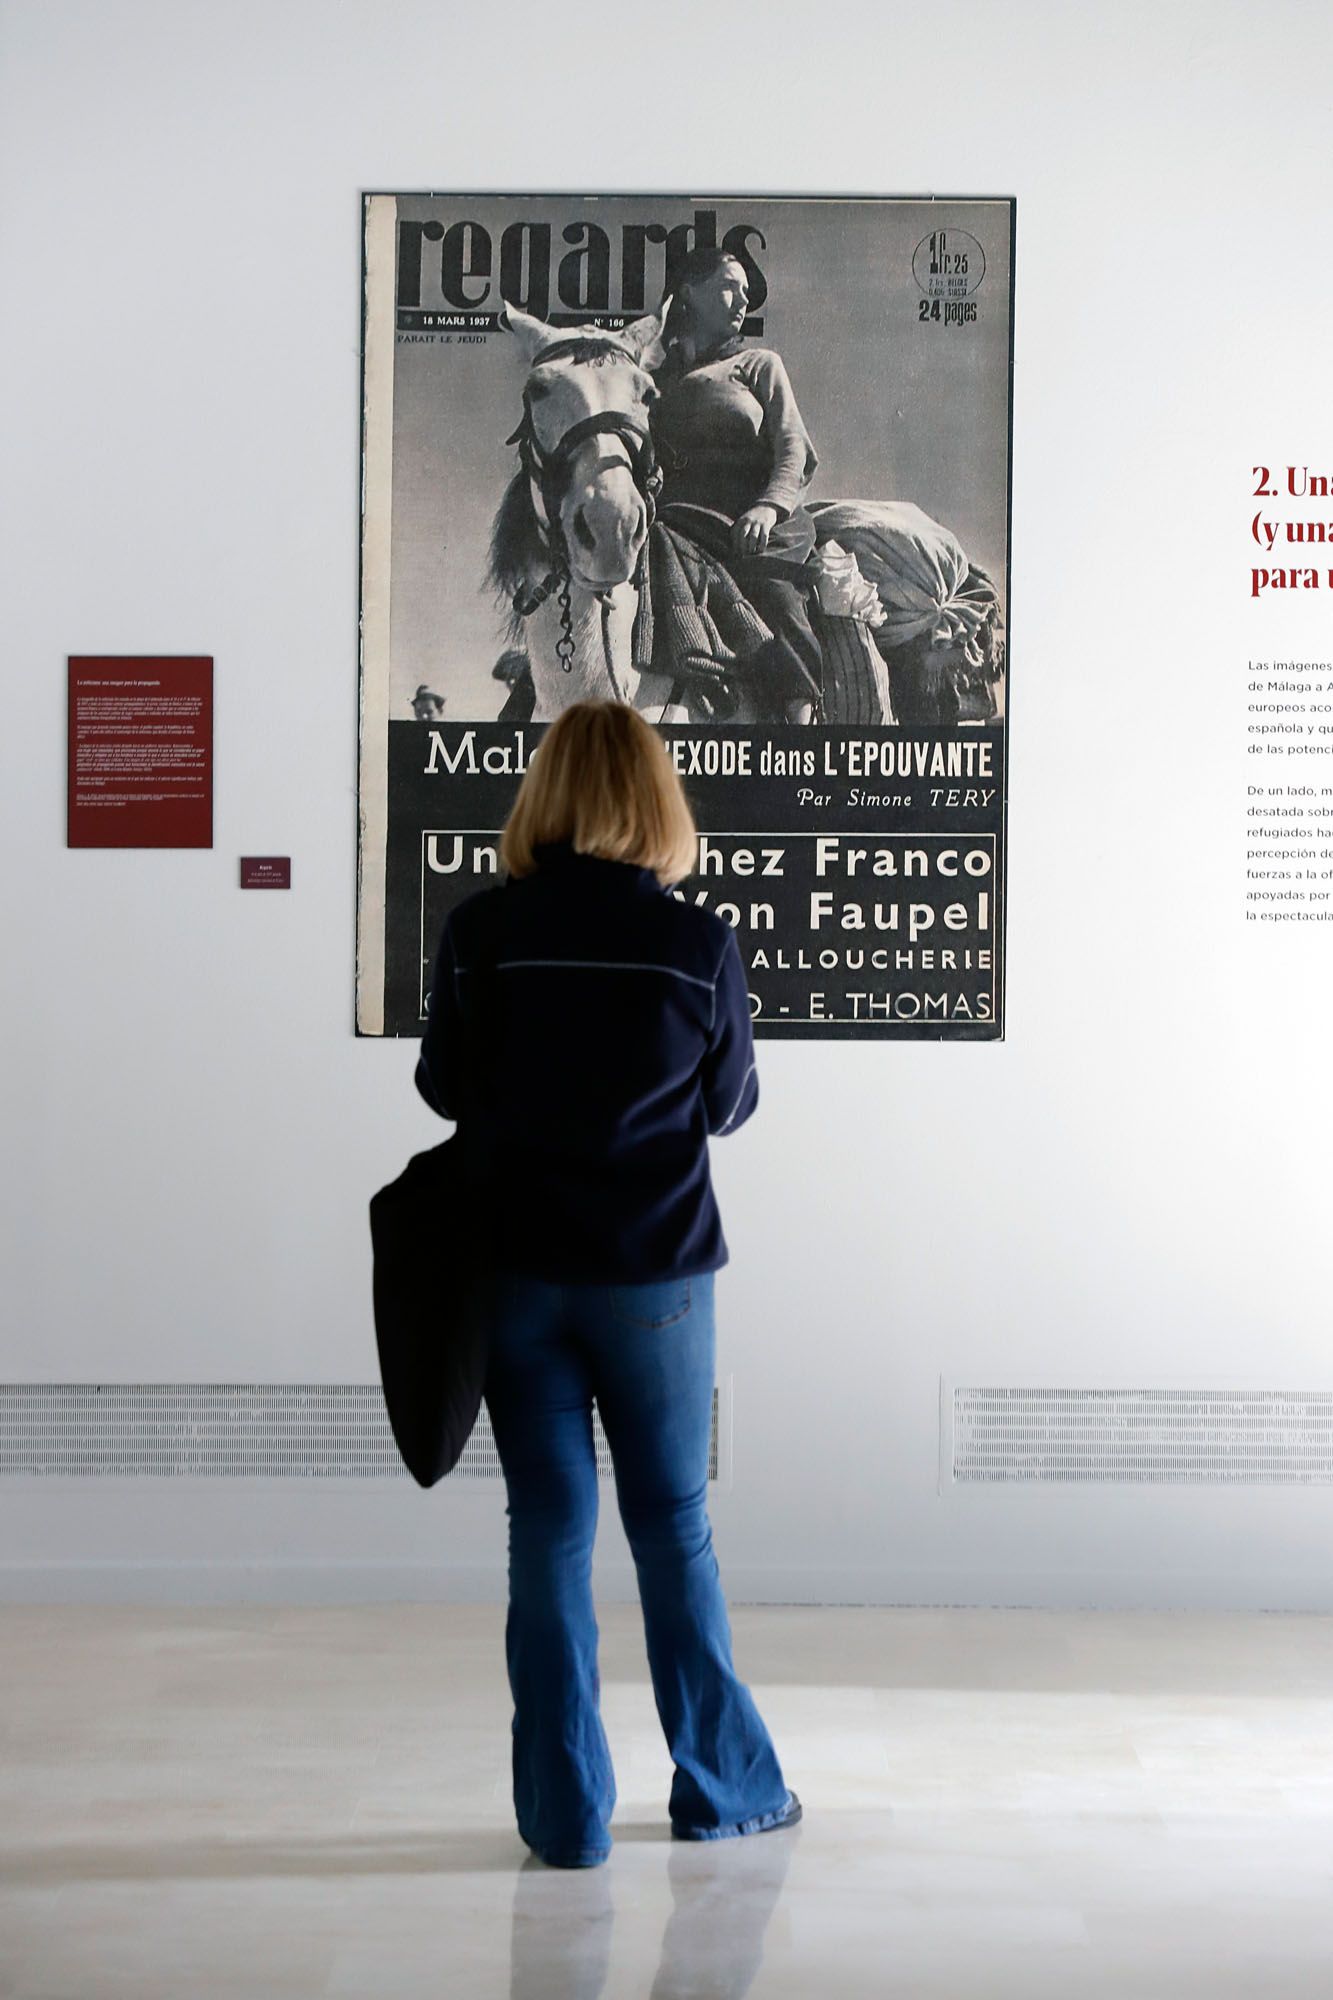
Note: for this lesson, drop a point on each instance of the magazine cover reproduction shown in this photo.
(744, 463)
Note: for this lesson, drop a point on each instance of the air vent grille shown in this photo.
(225, 1430)
(1233, 1437)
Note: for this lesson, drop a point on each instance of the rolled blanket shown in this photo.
(920, 570)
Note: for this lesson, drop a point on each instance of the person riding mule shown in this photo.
(634, 570)
(614, 598)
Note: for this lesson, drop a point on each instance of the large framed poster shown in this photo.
(745, 463)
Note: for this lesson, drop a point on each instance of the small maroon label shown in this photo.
(266, 871)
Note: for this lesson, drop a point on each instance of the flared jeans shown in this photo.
(645, 1354)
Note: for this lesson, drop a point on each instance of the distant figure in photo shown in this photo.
(593, 1031)
(514, 668)
(427, 706)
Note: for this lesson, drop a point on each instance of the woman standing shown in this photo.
(736, 460)
(600, 1028)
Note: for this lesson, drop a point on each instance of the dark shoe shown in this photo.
(762, 1823)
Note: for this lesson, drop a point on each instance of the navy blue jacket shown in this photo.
(616, 1038)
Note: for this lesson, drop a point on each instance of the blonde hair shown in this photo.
(601, 778)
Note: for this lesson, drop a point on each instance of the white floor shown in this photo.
(269, 1802)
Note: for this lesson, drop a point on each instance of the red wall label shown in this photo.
(140, 752)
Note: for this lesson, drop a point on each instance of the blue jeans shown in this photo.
(646, 1354)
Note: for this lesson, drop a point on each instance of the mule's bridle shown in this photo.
(548, 471)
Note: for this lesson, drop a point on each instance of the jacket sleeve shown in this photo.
(439, 1066)
(730, 1080)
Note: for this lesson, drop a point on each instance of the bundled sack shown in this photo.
(840, 589)
(920, 572)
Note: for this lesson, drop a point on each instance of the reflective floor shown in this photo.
(269, 1802)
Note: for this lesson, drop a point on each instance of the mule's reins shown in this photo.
(547, 471)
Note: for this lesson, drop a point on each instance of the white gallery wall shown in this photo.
(1130, 1190)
